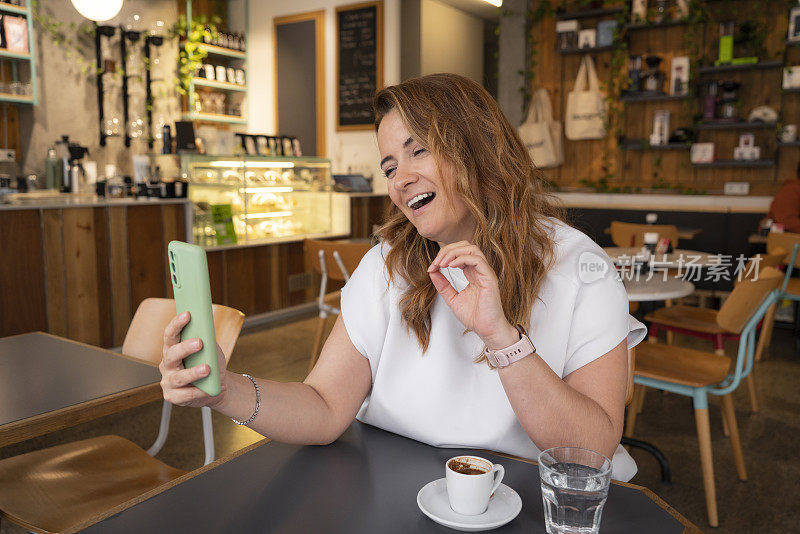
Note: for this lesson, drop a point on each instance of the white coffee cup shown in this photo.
(789, 133)
(469, 493)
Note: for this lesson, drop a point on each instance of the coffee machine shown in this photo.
(70, 157)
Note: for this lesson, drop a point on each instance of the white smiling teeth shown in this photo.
(418, 198)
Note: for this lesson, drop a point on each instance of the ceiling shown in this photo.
(478, 8)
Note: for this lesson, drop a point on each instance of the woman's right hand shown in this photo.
(176, 381)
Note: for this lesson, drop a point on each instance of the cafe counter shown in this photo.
(78, 267)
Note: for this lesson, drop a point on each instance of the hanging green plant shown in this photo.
(192, 36)
(75, 40)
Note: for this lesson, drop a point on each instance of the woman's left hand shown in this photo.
(478, 306)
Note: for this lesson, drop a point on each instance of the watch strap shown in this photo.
(504, 357)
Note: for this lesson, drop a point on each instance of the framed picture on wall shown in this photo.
(794, 24)
(359, 63)
(16, 33)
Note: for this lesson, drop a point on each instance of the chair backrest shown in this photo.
(349, 252)
(630, 234)
(145, 338)
(785, 241)
(746, 298)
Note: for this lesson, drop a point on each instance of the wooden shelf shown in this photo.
(791, 143)
(792, 90)
(219, 85)
(214, 117)
(4, 52)
(593, 50)
(738, 163)
(10, 8)
(654, 25)
(589, 13)
(747, 66)
(652, 97)
(743, 125)
(220, 51)
(642, 144)
(16, 99)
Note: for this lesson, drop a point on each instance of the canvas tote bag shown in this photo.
(541, 134)
(586, 106)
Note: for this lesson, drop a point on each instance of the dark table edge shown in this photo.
(688, 526)
(76, 414)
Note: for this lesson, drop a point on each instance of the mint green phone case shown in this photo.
(189, 273)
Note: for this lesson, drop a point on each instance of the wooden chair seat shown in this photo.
(793, 287)
(680, 365)
(688, 318)
(58, 488)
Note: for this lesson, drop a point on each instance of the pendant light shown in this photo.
(98, 10)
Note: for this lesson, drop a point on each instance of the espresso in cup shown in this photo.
(471, 481)
(461, 465)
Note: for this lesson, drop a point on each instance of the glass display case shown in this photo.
(269, 197)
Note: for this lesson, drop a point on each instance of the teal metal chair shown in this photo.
(698, 374)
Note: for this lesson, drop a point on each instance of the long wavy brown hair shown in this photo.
(490, 169)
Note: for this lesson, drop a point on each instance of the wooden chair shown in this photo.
(697, 374)
(69, 487)
(776, 257)
(704, 322)
(632, 235)
(319, 254)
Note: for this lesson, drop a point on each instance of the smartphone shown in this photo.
(188, 270)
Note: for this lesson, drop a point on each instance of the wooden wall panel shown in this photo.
(261, 282)
(22, 291)
(295, 264)
(276, 275)
(146, 259)
(54, 272)
(240, 280)
(80, 261)
(592, 160)
(365, 212)
(174, 225)
(216, 276)
(120, 281)
(103, 280)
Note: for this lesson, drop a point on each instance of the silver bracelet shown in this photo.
(258, 403)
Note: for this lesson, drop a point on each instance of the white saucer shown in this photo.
(504, 506)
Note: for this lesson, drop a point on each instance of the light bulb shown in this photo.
(98, 10)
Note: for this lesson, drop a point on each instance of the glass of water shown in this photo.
(574, 489)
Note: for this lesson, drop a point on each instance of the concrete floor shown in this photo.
(767, 502)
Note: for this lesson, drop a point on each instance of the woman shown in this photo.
(474, 265)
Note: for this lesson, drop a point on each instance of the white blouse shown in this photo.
(444, 399)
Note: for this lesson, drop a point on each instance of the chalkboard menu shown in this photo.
(359, 63)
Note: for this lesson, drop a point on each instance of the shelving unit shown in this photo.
(219, 85)
(228, 54)
(738, 163)
(744, 125)
(653, 25)
(589, 13)
(653, 98)
(745, 66)
(641, 144)
(214, 117)
(592, 50)
(29, 58)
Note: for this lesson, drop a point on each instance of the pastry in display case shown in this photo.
(269, 197)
